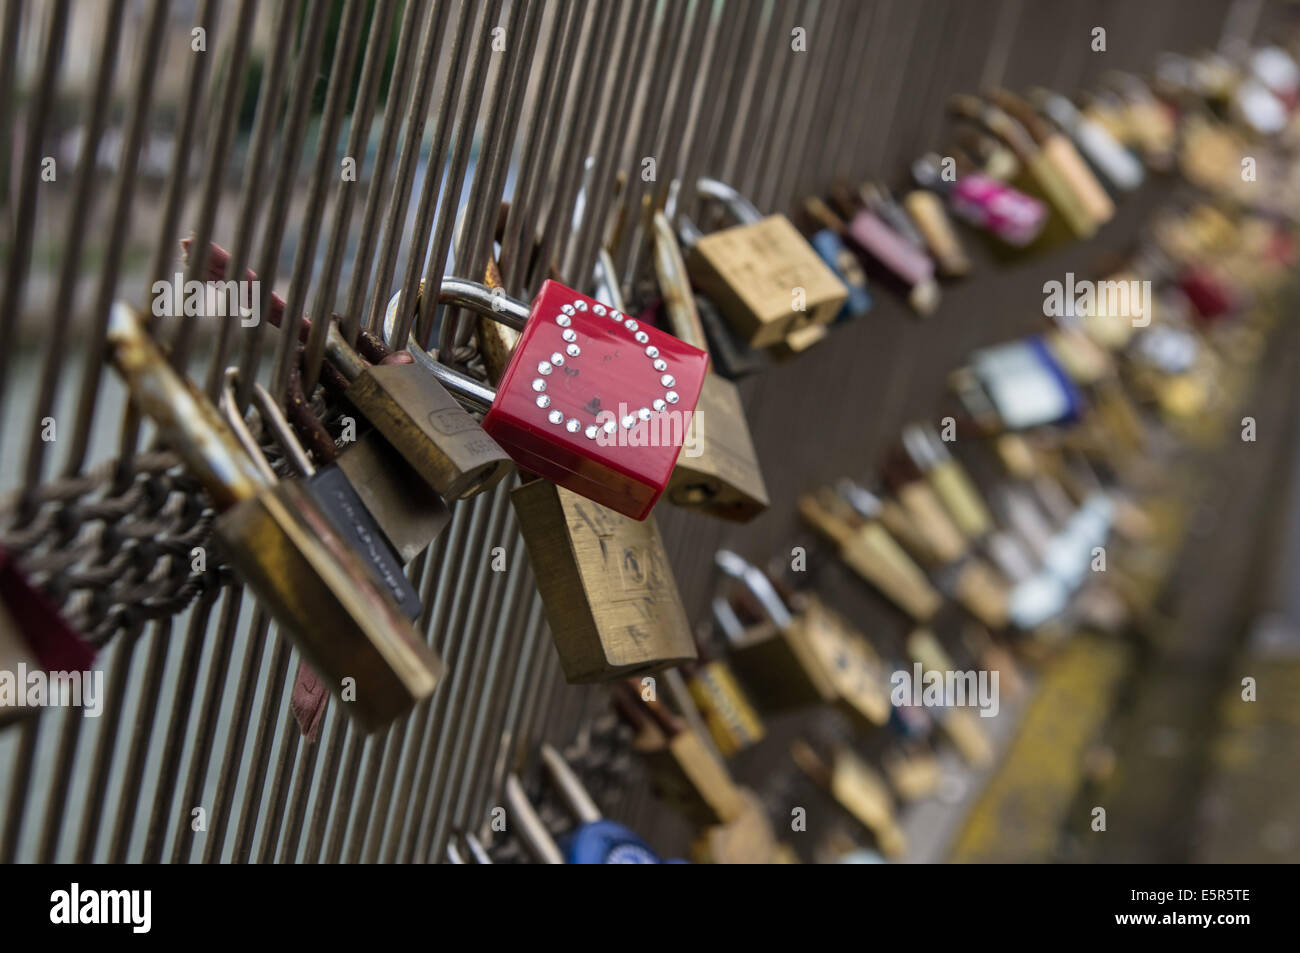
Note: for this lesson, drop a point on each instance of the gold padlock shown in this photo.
(761, 271)
(685, 773)
(749, 838)
(777, 662)
(869, 549)
(728, 714)
(283, 545)
(960, 725)
(857, 672)
(609, 592)
(949, 479)
(859, 789)
(717, 471)
(422, 421)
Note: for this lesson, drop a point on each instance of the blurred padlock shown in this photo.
(282, 545)
(886, 253)
(859, 789)
(776, 661)
(729, 715)
(761, 272)
(685, 773)
(869, 549)
(1061, 152)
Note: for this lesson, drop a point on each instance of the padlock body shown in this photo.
(760, 273)
(718, 470)
(312, 583)
(436, 436)
(336, 497)
(781, 669)
(409, 513)
(730, 717)
(689, 778)
(596, 402)
(609, 593)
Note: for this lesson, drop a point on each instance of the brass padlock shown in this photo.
(777, 661)
(857, 672)
(1039, 171)
(718, 471)
(313, 584)
(869, 549)
(961, 726)
(609, 592)
(858, 788)
(685, 773)
(422, 421)
(949, 480)
(760, 270)
(924, 526)
(728, 714)
(749, 838)
(1062, 154)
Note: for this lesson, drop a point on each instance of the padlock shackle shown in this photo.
(229, 408)
(759, 586)
(483, 300)
(865, 503)
(572, 791)
(461, 386)
(741, 208)
(605, 279)
(275, 421)
(725, 615)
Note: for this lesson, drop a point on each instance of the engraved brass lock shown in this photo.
(609, 592)
(758, 269)
(280, 542)
(718, 471)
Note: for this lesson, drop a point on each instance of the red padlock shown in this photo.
(591, 399)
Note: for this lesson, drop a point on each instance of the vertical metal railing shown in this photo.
(446, 109)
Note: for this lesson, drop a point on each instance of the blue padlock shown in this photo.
(840, 260)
